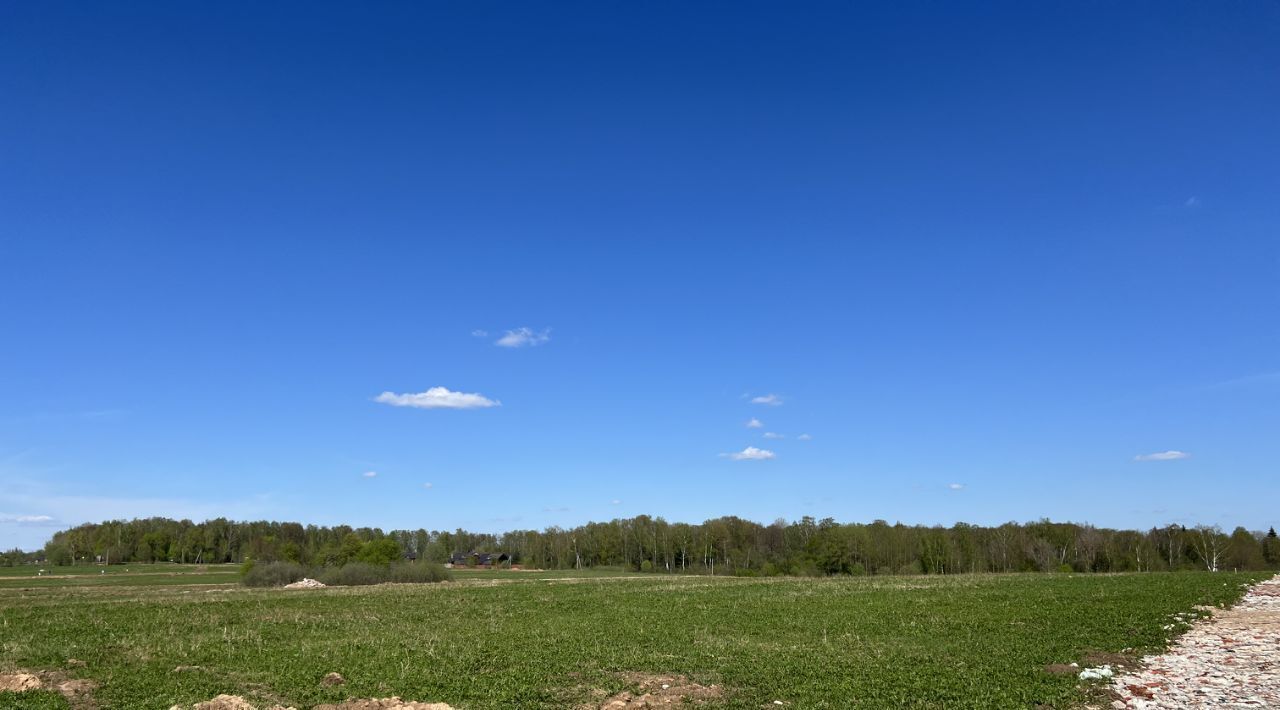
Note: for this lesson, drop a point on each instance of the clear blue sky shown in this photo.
(984, 257)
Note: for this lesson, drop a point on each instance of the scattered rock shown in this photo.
(1096, 673)
(306, 583)
(187, 669)
(20, 682)
(333, 679)
(1231, 659)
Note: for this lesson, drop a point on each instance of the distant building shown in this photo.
(478, 559)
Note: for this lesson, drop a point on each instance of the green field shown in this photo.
(531, 639)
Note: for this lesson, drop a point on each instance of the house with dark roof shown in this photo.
(479, 559)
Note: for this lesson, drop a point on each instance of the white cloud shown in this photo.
(615, 501)
(437, 398)
(751, 453)
(1192, 201)
(805, 437)
(477, 333)
(26, 519)
(369, 474)
(772, 400)
(774, 435)
(555, 509)
(426, 485)
(754, 423)
(955, 486)
(1163, 456)
(521, 337)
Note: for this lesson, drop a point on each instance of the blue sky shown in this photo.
(984, 257)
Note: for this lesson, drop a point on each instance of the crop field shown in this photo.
(531, 639)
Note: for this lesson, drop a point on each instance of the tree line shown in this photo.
(727, 545)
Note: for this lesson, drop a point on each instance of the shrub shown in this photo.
(272, 574)
(418, 572)
(352, 574)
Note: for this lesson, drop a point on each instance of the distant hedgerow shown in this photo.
(272, 574)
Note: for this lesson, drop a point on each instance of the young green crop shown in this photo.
(521, 639)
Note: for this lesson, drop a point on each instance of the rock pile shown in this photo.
(306, 583)
(1229, 660)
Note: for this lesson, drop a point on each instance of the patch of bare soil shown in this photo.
(661, 691)
(226, 702)
(20, 682)
(77, 691)
(391, 703)
(1061, 669)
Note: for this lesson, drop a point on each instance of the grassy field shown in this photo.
(26, 576)
(529, 639)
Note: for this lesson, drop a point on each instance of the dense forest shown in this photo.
(727, 545)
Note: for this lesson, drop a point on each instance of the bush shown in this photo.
(272, 574)
(352, 574)
(418, 572)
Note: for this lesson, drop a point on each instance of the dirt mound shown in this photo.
(392, 703)
(660, 691)
(333, 679)
(20, 682)
(226, 702)
(306, 583)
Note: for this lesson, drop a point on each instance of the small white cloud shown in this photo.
(437, 398)
(615, 501)
(426, 485)
(555, 509)
(772, 400)
(1192, 201)
(26, 519)
(774, 435)
(751, 453)
(369, 474)
(754, 423)
(1163, 456)
(477, 333)
(522, 337)
(805, 437)
(955, 486)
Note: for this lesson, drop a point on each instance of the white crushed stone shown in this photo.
(1097, 673)
(306, 583)
(1230, 660)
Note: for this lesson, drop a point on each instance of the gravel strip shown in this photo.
(1230, 660)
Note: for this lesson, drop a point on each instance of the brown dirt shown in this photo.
(332, 679)
(20, 682)
(225, 702)
(392, 703)
(1061, 669)
(661, 691)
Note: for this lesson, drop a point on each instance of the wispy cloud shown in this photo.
(28, 519)
(751, 453)
(615, 501)
(772, 400)
(369, 474)
(437, 398)
(556, 509)
(1163, 456)
(804, 437)
(955, 486)
(427, 485)
(523, 337)
(478, 333)
(1192, 202)
(774, 435)
(754, 423)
